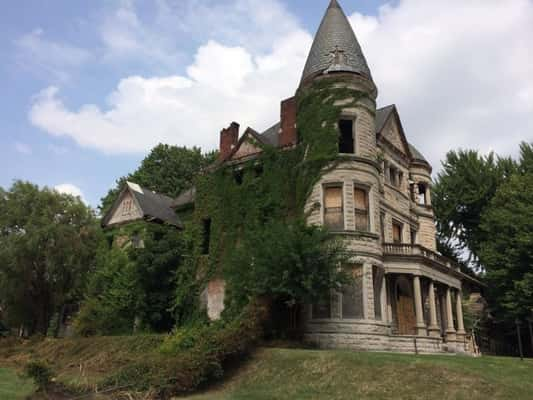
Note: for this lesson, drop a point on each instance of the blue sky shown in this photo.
(90, 87)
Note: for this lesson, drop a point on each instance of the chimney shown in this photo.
(288, 134)
(228, 140)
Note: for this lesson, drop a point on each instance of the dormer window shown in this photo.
(346, 138)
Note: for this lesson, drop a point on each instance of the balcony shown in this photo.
(415, 250)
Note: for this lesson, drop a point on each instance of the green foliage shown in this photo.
(133, 285)
(286, 260)
(263, 211)
(508, 255)
(40, 372)
(167, 169)
(197, 355)
(462, 191)
(47, 248)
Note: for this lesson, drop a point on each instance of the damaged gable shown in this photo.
(389, 127)
(249, 144)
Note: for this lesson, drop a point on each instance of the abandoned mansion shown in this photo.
(374, 193)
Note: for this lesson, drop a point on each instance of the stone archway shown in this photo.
(405, 307)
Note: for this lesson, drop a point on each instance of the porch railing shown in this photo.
(404, 249)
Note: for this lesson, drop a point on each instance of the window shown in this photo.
(206, 236)
(422, 194)
(352, 296)
(397, 229)
(333, 208)
(361, 209)
(377, 279)
(393, 177)
(413, 235)
(346, 139)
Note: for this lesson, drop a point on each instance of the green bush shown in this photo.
(40, 372)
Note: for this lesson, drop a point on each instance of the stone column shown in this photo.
(420, 324)
(428, 194)
(434, 329)
(459, 312)
(384, 308)
(450, 331)
(390, 297)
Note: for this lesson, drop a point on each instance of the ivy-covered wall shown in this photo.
(238, 200)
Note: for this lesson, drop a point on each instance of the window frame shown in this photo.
(358, 211)
(351, 120)
(400, 225)
(325, 187)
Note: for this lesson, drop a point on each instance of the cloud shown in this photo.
(223, 84)
(23, 148)
(55, 59)
(58, 150)
(69, 188)
(461, 72)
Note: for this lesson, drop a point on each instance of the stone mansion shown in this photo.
(405, 296)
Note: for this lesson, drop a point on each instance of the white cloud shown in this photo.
(54, 59)
(69, 188)
(223, 84)
(461, 72)
(23, 148)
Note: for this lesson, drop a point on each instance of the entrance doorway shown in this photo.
(405, 308)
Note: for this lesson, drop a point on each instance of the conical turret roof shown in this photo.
(335, 48)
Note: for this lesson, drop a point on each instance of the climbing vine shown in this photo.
(272, 189)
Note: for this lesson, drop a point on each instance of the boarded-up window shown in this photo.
(377, 279)
(352, 296)
(322, 309)
(333, 208)
(397, 232)
(361, 209)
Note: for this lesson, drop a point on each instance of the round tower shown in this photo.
(336, 114)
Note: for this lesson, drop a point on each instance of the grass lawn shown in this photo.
(12, 387)
(307, 374)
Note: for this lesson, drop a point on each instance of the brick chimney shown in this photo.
(228, 140)
(288, 133)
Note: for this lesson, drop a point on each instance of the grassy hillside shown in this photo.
(12, 387)
(306, 374)
(294, 374)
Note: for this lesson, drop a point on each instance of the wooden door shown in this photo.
(406, 315)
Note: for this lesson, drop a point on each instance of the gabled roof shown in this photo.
(335, 47)
(382, 116)
(153, 206)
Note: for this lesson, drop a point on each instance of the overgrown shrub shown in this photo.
(40, 372)
(196, 355)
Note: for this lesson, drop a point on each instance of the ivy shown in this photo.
(272, 189)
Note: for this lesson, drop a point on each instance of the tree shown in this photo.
(47, 248)
(507, 255)
(462, 191)
(289, 261)
(167, 169)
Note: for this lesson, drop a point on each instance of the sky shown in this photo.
(88, 88)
